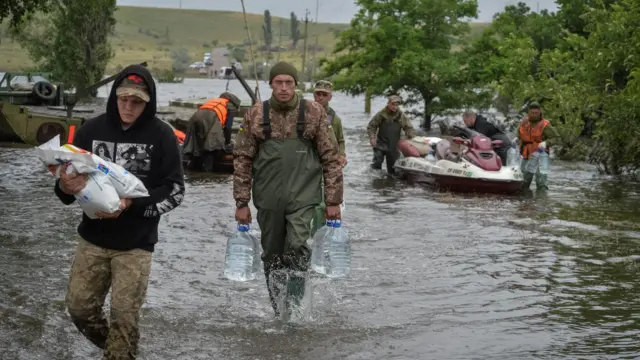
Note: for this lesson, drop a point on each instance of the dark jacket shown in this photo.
(148, 149)
(486, 128)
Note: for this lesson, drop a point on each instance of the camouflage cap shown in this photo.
(134, 85)
(395, 99)
(324, 86)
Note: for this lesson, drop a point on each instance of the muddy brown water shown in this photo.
(435, 275)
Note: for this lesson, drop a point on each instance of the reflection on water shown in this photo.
(435, 275)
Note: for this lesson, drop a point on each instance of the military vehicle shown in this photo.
(33, 110)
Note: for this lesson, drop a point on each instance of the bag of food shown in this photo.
(107, 182)
(126, 184)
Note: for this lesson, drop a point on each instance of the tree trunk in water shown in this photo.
(367, 102)
(426, 121)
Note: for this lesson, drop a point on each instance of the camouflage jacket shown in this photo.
(384, 115)
(283, 126)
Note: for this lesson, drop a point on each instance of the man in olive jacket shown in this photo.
(384, 132)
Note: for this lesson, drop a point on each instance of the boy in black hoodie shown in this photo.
(115, 250)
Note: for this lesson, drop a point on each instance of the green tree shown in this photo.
(517, 26)
(17, 11)
(406, 45)
(181, 60)
(72, 41)
(572, 12)
(295, 30)
(267, 33)
(583, 69)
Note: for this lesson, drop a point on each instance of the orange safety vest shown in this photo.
(531, 137)
(218, 105)
(180, 135)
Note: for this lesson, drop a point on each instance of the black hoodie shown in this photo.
(148, 149)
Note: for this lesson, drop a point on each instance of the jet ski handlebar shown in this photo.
(466, 136)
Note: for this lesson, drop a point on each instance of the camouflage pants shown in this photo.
(93, 272)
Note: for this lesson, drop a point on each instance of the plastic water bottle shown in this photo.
(339, 251)
(240, 259)
(513, 158)
(543, 163)
(534, 160)
(320, 251)
(431, 156)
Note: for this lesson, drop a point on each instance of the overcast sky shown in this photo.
(335, 11)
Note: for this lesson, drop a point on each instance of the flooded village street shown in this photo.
(435, 275)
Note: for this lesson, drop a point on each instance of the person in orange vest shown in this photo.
(209, 131)
(535, 133)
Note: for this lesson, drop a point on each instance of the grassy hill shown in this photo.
(144, 33)
(149, 34)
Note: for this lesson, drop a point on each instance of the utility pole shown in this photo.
(279, 40)
(180, 4)
(315, 47)
(304, 50)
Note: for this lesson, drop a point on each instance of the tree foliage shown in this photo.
(401, 45)
(181, 60)
(267, 32)
(581, 64)
(71, 41)
(295, 30)
(18, 10)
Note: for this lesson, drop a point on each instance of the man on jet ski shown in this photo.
(480, 124)
(384, 133)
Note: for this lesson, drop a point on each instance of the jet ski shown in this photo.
(476, 168)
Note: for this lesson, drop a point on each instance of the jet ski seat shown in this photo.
(443, 151)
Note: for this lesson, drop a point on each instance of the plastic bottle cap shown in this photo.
(243, 227)
(337, 223)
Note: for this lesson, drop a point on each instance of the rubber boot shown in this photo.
(276, 284)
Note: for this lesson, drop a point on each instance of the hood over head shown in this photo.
(131, 89)
(234, 100)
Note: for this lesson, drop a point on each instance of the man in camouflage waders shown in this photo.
(322, 94)
(384, 132)
(284, 150)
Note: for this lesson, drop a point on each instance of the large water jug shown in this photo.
(513, 158)
(543, 163)
(339, 245)
(320, 252)
(534, 161)
(241, 256)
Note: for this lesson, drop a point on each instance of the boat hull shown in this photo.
(460, 176)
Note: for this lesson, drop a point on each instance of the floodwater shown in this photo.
(435, 275)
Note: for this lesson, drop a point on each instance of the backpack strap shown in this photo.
(330, 115)
(266, 121)
(300, 123)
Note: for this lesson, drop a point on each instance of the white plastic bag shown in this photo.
(126, 184)
(107, 183)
